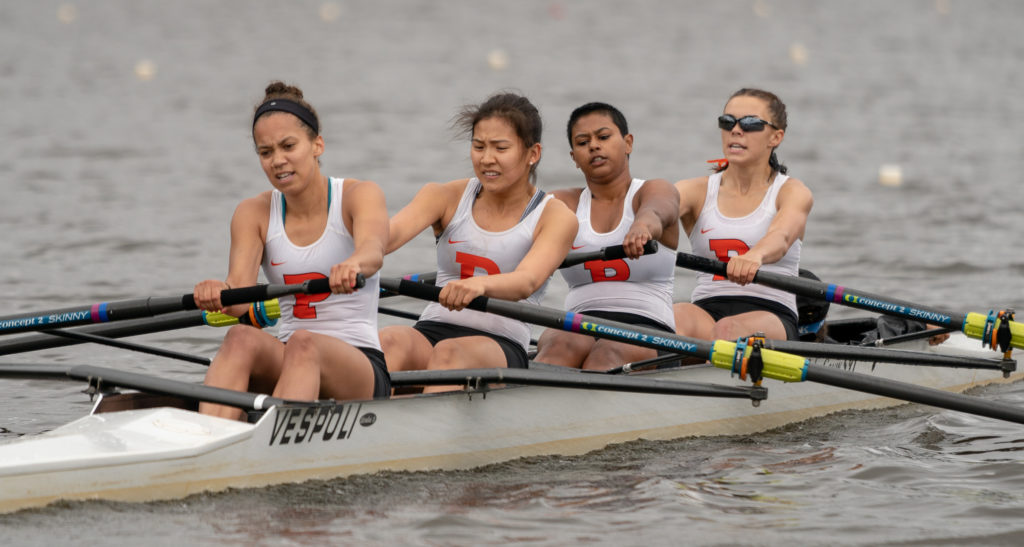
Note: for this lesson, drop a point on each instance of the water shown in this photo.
(118, 186)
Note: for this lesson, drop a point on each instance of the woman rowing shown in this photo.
(309, 226)
(614, 209)
(751, 214)
(497, 235)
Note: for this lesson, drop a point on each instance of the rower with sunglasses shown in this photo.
(750, 214)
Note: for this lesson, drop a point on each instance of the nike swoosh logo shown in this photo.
(450, 242)
(272, 263)
(704, 231)
(575, 247)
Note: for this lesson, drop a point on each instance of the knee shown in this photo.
(727, 328)
(238, 337)
(301, 342)
(563, 348)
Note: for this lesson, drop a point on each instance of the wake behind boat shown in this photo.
(167, 452)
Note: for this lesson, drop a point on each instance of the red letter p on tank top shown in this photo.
(469, 263)
(303, 308)
(725, 249)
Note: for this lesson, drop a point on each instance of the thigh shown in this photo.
(567, 349)
(467, 352)
(608, 354)
(345, 371)
(693, 321)
(750, 323)
(405, 348)
(250, 359)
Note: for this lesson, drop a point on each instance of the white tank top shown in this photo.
(464, 249)
(348, 317)
(641, 287)
(717, 236)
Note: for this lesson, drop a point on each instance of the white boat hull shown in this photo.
(167, 453)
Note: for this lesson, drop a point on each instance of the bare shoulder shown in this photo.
(692, 193)
(255, 207)
(689, 185)
(445, 191)
(558, 211)
(361, 187)
(569, 196)
(796, 192)
(660, 187)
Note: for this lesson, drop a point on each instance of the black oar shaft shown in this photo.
(103, 376)
(568, 321)
(915, 394)
(886, 355)
(778, 365)
(133, 327)
(480, 377)
(35, 342)
(992, 329)
(104, 312)
(613, 252)
(86, 337)
(831, 293)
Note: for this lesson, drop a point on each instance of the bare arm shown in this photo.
(248, 233)
(366, 215)
(794, 204)
(552, 239)
(692, 193)
(433, 205)
(657, 217)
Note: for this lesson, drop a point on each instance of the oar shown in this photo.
(101, 376)
(103, 312)
(613, 252)
(722, 353)
(160, 352)
(985, 327)
(909, 337)
(172, 321)
(480, 378)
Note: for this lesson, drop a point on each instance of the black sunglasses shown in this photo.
(747, 123)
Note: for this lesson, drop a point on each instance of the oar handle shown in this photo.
(613, 252)
(255, 293)
(424, 291)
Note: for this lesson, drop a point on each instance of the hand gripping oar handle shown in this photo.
(613, 252)
(721, 353)
(972, 324)
(104, 312)
(242, 295)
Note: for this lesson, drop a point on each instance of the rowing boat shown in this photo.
(167, 452)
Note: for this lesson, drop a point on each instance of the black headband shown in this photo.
(291, 107)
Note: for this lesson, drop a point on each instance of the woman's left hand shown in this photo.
(636, 238)
(343, 277)
(741, 269)
(456, 295)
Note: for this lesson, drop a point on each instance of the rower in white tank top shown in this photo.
(348, 317)
(642, 286)
(464, 250)
(717, 236)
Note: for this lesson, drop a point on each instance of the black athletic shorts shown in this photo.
(381, 378)
(435, 331)
(726, 306)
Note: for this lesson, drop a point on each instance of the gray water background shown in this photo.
(125, 147)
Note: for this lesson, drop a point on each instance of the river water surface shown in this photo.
(126, 146)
